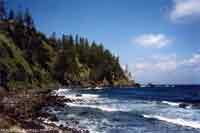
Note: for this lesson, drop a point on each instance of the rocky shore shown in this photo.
(26, 112)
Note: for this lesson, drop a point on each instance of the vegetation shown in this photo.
(30, 58)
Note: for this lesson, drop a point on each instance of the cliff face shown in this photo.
(29, 58)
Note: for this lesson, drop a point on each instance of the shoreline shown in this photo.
(42, 118)
(27, 109)
(32, 116)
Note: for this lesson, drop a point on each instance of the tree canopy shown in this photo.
(30, 57)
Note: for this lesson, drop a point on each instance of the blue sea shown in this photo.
(161, 109)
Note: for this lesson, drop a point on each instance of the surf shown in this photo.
(177, 121)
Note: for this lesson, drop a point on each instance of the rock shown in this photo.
(84, 113)
(61, 125)
(68, 100)
(76, 122)
(53, 118)
(183, 105)
(43, 114)
(3, 91)
(78, 95)
(196, 105)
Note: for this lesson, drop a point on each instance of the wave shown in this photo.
(103, 108)
(83, 97)
(94, 88)
(89, 96)
(98, 88)
(177, 121)
(171, 103)
(178, 104)
(61, 91)
(74, 96)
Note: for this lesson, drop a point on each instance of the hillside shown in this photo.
(28, 58)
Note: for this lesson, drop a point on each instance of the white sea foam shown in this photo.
(93, 125)
(74, 96)
(89, 96)
(171, 103)
(82, 97)
(102, 107)
(106, 104)
(61, 91)
(98, 88)
(189, 107)
(47, 121)
(177, 121)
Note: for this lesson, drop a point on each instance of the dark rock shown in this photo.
(61, 125)
(84, 113)
(53, 118)
(116, 119)
(183, 105)
(196, 106)
(78, 95)
(43, 114)
(67, 100)
(31, 125)
(76, 122)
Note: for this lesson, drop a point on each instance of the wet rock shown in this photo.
(61, 125)
(57, 108)
(183, 105)
(30, 125)
(78, 95)
(42, 114)
(68, 100)
(53, 118)
(75, 122)
(196, 106)
(116, 119)
(84, 113)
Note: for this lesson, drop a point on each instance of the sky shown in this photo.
(158, 39)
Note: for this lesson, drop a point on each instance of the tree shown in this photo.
(68, 59)
(53, 36)
(53, 41)
(19, 17)
(28, 19)
(76, 39)
(2, 10)
(11, 15)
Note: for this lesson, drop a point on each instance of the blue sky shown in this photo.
(158, 39)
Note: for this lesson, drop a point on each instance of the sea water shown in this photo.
(133, 110)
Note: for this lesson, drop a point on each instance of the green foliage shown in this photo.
(79, 60)
(29, 58)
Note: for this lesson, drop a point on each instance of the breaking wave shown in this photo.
(178, 121)
(171, 103)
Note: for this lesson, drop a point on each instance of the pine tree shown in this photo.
(19, 17)
(11, 15)
(28, 19)
(2, 10)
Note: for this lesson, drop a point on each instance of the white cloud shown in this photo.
(192, 63)
(161, 57)
(166, 66)
(167, 69)
(157, 64)
(152, 40)
(167, 63)
(185, 8)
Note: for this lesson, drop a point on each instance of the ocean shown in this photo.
(133, 110)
